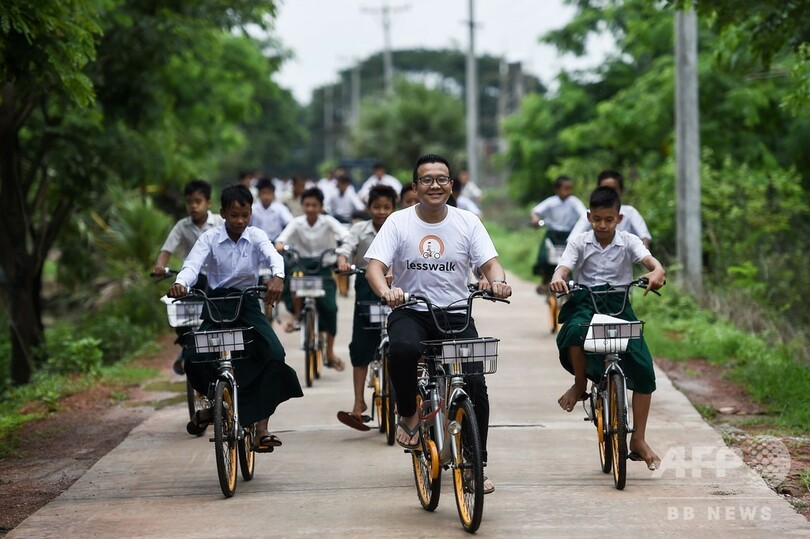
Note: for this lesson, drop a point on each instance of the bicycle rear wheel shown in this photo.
(428, 487)
(468, 470)
(247, 457)
(310, 347)
(225, 438)
(389, 406)
(605, 442)
(618, 428)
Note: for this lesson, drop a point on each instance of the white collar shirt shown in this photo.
(596, 265)
(559, 214)
(312, 240)
(271, 219)
(344, 205)
(185, 233)
(231, 264)
(357, 243)
(373, 180)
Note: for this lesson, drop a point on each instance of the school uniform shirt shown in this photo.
(561, 215)
(632, 222)
(373, 180)
(432, 259)
(271, 219)
(344, 205)
(185, 233)
(231, 264)
(357, 243)
(328, 186)
(595, 265)
(311, 241)
(466, 203)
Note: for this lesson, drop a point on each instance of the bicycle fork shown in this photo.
(226, 375)
(613, 367)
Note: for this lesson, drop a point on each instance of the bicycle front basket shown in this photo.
(467, 356)
(375, 313)
(310, 286)
(609, 335)
(217, 341)
(183, 314)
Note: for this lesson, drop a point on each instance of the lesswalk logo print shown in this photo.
(431, 247)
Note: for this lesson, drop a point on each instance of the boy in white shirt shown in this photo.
(311, 235)
(343, 203)
(269, 214)
(232, 253)
(602, 257)
(378, 177)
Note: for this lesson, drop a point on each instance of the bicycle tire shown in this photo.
(194, 402)
(428, 488)
(310, 352)
(247, 456)
(389, 406)
(376, 391)
(468, 470)
(225, 438)
(618, 428)
(605, 443)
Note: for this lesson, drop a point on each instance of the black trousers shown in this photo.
(406, 329)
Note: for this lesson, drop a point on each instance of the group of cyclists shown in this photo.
(428, 247)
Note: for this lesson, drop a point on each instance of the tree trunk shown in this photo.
(25, 327)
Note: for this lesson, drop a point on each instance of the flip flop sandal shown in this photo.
(411, 432)
(353, 421)
(267, 443)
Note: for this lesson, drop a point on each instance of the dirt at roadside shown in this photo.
(57, 450)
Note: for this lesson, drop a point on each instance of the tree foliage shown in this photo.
(755, 169)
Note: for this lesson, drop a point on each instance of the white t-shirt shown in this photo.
(432, 260)
(561, 214)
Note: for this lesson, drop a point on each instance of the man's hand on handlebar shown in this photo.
(177, 291)
(500, 289)
(394, 297)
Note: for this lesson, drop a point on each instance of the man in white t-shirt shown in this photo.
(430, 248)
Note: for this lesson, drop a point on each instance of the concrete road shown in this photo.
(330, 481)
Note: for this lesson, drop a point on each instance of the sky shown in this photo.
(326, 36)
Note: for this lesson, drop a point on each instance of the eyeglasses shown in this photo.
(428, 180)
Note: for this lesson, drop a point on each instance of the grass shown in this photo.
(804, 477)
(516, 251)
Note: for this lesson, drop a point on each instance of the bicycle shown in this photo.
(308, 286)
(449, 438)
(606, 404)
(230, 437)
(185, 317)
(383, 402)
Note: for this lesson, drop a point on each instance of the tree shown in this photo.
(103, 91)
(415, 121)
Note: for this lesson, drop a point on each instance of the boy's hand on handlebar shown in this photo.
(655, 280)
(158, 271)
(275, 287)
(394, 297)
(177, 291)
(558, 286)
(343, 265)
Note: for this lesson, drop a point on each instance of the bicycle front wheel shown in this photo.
(225, 438)
(310, 347)
(618, 428)
(468, 469)
(427, 476)
(247, 457)
(389, 406)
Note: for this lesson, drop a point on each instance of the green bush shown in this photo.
(68, 354)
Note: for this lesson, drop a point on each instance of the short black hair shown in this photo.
(378, 164)
(561, 180)
(265, 183)
(605, 197)
(606, 174)
(344, 178)
(382, 191)
(429, 158)
(198, 186)
(312, 192)
(236, 194)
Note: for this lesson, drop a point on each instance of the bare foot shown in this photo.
(336, 363)
(645, 453)
(571, 397)
(359, 408)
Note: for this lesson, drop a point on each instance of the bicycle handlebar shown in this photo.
(294, 256)
(353, 270)
(624, 289)
(254, 291)
(167, 272)
(413, 299)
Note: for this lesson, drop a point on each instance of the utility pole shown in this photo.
(472, 103)
(355, 93)
(388, 63)
(328, 122)
(687, 150)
